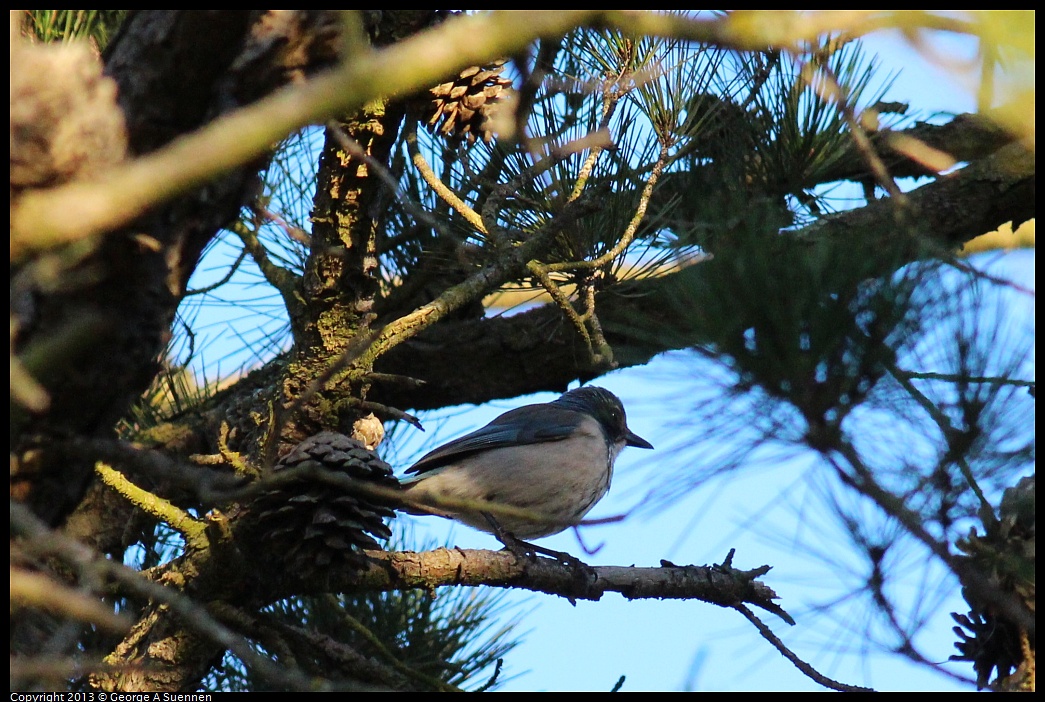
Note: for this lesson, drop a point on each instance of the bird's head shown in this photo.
(607, 409)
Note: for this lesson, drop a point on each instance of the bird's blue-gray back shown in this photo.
(518, 427)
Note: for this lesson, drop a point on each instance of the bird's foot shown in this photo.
(561, 556)
(524, 550)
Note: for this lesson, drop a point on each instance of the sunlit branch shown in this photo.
(194, 531)
(632, 227)
(439, 187)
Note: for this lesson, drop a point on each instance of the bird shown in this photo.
(553, 460)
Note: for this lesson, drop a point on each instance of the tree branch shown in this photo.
(787, 653)
(468, 567)
(546, 353)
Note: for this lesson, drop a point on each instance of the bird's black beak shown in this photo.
(633, 439)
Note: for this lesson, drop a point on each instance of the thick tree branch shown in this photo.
(181, 649)
(953, 210)
(81, 209)
(545, 353)
(720, 586)
(967, 137)
(204, 63)
(92, 208)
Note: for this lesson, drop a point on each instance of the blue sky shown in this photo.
(768, 512)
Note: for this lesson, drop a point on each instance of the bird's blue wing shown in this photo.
(532, 424)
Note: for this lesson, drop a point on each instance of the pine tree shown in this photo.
(383, 182)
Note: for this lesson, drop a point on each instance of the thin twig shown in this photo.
(48, 218)
(604, 354)
(491, 208)
(543, 63)
(958, 378)
(311, 473)
(439, 187)
(633, 225)
(787, 653)
(283, 280)
(394, 379)
(24, 669)
(387, 411)
(321, 647)
(540, 271)
(948, 429)
(38, 591)
(966, 268)
(830, 90)
(281, 414)
(860, 478)
(509, 263)
(235, 459)
(906, 647)
(293, 233)
(609, 106)
(226, 278)
(493, 678)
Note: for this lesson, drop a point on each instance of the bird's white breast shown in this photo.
(561, 480)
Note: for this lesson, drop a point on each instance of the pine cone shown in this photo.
(1004, 555)
(462, 108)
(318, 525)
